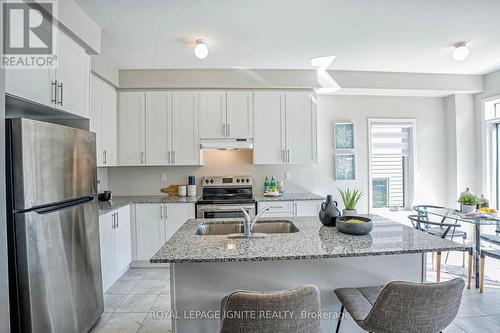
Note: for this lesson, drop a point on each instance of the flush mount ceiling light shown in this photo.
(461, 51)
(201, 49)
(322, 62)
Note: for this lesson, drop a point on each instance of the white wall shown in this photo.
(430, 176)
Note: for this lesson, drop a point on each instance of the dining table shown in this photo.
(477, 219)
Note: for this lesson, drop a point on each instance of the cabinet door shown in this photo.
(109, 121)
(150, 229)
(269, 127)
(96, 116)
(212, 114)
(300, 128)
(185, 135)
(131, 119)
(31, 84)
(73, 75)
(123, 247)
(307, 207)
(158, 127)
(108, 267)
(239, 114)
(177, 214)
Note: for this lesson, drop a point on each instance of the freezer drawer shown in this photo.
(58, 267)
(50, 163)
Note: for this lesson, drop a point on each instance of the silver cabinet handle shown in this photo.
(228, 130)
(61, 95)
(173, 157)
(169, 157)
(142, 157)
(104, 156)
(288, 156)
(277, 207)
(166, 212)
(54, 85)
(283, 155)
(223, 129)
(117, 221)
(113, 226)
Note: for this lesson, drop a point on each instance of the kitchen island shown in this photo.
(205, 268)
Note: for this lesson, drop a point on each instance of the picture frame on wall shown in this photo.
(344, 135)
(345, 166)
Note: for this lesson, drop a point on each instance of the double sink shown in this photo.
(236, 227)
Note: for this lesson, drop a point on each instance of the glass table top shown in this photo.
(478, 218)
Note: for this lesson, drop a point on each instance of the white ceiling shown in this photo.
(365, 35)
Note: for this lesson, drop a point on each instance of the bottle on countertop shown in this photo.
(267, 184)
(272, 185)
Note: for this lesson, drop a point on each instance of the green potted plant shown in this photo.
(469, 202)
(350, 199)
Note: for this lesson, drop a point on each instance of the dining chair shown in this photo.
(402, 306)
(303, 299)
(439, 229)
(419, 222)
(493, 239)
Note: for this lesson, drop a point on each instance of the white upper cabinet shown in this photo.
(269, 127)
(185, 134)
(212, 114)
(300, 128)
(66, 87)
(73, 76)
(158, 127)
(239, 114)
(226, 114)
(285, 128)
(103, 121)
(131, 128)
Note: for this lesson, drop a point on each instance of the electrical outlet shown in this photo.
(288, 175)
(163, 177)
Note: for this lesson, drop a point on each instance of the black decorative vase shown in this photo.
(329, 212)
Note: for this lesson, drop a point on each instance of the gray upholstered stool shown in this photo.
(403, 307)
(246, 311)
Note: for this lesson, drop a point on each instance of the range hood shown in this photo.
(226, 144)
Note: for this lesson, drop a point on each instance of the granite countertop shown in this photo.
(120, 201)
(312, 241)
(289, 197)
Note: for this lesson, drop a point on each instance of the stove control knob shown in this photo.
(211, 181)
(248, 180)
(237, 180)
(242, 180)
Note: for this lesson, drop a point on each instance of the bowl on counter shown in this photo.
(104, 196)
(354, 225)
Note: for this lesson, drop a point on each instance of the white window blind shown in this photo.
(390, 148)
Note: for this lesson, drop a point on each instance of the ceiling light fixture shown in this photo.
(201, 49)
(461, 51)
(322, 62)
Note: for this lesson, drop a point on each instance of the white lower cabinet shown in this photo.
(290, 208)
(307, 207)
(156, 223)
(115, 245)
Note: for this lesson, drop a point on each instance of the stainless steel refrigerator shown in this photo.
(53, 228)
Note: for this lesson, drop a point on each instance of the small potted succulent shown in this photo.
(468, 202)
(350, 199)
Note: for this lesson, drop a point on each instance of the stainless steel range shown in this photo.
(222, 197)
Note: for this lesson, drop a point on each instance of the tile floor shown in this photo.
(129, 302)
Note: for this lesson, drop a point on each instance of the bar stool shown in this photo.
(237, 309)
(402, 306)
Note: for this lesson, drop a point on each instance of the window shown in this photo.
(390, 163)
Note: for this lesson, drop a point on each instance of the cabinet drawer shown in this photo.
(277, 206)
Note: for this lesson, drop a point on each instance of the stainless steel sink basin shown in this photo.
(263, 226)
